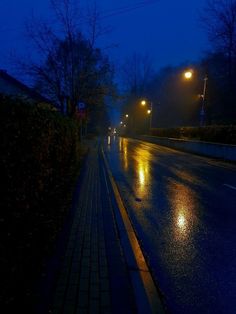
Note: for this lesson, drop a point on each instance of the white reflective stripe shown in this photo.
(230, 186)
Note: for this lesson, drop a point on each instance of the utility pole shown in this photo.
(203, 107)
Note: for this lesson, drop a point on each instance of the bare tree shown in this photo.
(219, 19)
(70, 65)
(137, 71)
(136, 74)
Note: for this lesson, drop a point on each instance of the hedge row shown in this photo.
(215, 133)
(40, 153)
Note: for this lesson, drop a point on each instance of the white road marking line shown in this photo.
(230, 186)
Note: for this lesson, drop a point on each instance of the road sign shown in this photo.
(81, 105)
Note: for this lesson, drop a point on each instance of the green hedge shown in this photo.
(215, 133)
(40, 153)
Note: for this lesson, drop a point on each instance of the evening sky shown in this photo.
(168, 31)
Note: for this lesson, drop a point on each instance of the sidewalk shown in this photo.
(99, 273)
(93, 278)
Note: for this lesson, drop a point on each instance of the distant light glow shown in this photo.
(143, 102)
(188, 74)
(127, 115)
(149, 111)
(181, 221)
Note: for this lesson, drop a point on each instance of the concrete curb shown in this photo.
(147, 297)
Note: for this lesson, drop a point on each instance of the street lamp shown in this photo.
(132, 119)
(203, 108)
(188, 75)
(149, 111)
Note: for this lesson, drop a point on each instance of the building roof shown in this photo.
(26, 91)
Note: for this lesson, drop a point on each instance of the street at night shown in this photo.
(118, 157)
(182, 207)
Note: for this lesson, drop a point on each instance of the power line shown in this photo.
(126, 9)
(111, 13)
(129, 6)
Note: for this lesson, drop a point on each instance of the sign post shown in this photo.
(81, 114)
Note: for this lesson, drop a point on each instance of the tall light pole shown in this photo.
(149, 111)
(188, 76)
(203, 107)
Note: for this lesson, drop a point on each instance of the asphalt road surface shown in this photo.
(183, 208)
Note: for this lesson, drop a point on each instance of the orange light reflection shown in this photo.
(123, 147)
(142, 167)
(183, 203)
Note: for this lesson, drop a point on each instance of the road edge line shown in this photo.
(141, 276)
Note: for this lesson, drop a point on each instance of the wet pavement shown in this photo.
(183, 209)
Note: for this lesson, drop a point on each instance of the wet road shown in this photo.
(183, 208)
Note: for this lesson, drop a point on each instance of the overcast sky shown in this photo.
(167, 30)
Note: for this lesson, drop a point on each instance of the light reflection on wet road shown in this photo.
(185, 218)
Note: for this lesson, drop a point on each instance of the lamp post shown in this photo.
(149, 111)
(203, 107)
(188, 76)
(131, 118)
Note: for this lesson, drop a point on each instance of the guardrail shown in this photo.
(214, 150)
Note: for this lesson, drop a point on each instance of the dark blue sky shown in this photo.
(169, 31)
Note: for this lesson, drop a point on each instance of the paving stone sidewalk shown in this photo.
(93, 277)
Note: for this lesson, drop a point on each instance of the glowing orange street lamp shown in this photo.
(188, 74)
(149, 111)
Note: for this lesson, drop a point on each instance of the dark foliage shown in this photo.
(40, 155)
(218, 134)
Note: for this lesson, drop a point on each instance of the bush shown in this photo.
(215, 133)
(40, 153)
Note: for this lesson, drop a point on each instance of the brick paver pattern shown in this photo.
(83, 284)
